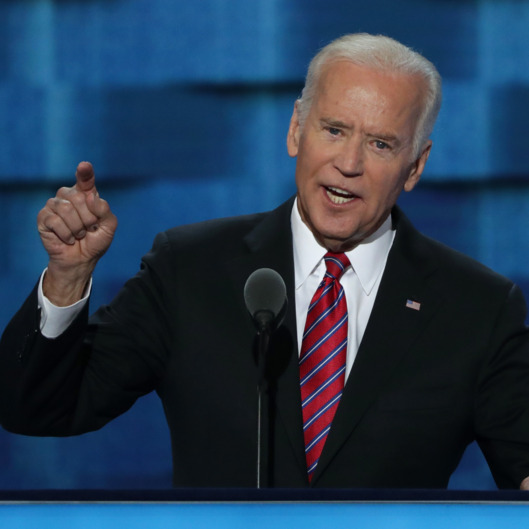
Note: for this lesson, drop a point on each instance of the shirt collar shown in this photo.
(368, 259)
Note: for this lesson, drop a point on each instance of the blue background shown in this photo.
(183, 109)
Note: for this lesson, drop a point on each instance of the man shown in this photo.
(431, 346)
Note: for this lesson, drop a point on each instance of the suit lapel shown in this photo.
(392, 328)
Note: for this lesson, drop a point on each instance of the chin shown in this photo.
(336, 243)
(340, 237)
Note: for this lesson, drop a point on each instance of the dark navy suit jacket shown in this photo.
(424, 385)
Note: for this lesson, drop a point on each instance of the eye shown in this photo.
(334, 131)
(381, 145)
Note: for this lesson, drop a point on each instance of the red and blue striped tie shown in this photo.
(322, 358)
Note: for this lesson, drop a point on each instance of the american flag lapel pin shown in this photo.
(411, 304)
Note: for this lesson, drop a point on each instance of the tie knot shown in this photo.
(336, 264)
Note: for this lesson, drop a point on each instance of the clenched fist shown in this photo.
(76, 228)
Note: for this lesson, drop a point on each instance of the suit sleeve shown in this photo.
(96, 369)
(502, 396)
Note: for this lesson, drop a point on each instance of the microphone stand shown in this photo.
(263, 318)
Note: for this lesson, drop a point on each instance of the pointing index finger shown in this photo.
(85, 177)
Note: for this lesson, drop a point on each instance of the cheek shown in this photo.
(388, 186)
(306, 168)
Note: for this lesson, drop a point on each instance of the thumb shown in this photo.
(85, 177)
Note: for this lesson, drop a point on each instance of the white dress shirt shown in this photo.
(55, 320)
(360, 282)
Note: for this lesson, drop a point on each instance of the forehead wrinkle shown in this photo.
(353, 104)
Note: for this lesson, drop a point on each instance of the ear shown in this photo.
(293, 133)
(418, 167)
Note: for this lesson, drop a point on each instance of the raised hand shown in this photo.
(76, 227)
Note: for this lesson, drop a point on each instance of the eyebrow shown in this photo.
(390, 138)
(335, 123)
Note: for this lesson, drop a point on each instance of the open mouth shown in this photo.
(339, 196)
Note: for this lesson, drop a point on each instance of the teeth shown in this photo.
(338, 196)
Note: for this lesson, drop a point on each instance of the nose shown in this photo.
(350, 159)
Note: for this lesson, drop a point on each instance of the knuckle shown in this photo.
(52, 222)
(64, 191)
(43, 213)
(44, 216)
(103, 206)
(78, 199)
(63, 206)
(50, 203)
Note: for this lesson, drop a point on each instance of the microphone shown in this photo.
(265, 295)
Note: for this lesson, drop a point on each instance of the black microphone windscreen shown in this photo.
(265, 290)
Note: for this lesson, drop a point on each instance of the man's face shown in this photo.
(355, 152)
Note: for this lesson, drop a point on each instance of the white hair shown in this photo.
(381, 53)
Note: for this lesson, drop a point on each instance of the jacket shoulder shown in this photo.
(211, 234)
(459, 264)
(429, 253)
